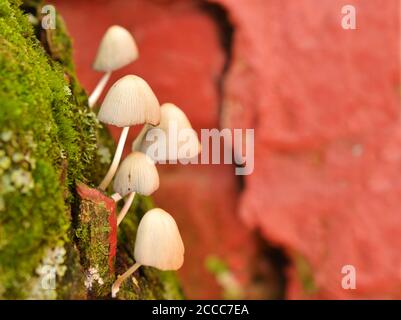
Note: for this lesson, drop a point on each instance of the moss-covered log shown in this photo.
(50, 140)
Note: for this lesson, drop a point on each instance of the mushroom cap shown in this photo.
(137, 173)
(130, 101)
(116, 50)
(158, 241)
(171, 115)
(170, 112)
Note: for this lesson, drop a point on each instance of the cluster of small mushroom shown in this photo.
(131, 101)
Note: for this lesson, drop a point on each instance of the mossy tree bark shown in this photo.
(49, 142)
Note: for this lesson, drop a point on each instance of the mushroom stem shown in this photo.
(116, 160)
(120, 279)
(116, 197)
(98, 89)
(126, 207)
(138, 140)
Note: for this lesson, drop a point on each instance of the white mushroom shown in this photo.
(136, 174)
(130, 101)
(158, 244)
(116, 50)
(180, 142)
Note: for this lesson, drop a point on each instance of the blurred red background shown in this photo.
(325, 106)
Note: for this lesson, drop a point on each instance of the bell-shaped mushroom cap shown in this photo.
(170, 112)
(137, 173)
(130, 101)
(176, 125)
(158, 241)
(117, 49)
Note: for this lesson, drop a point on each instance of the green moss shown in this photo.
(35, 215)
(45, 121)
(171, 287)
(71, 284)
(231, 288)
(215, 265)
(305, 275)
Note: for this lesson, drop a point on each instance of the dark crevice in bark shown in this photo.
(276, 261)
(279, 262)
(226, 34)
(226, 30)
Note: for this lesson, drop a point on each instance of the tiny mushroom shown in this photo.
(116, 50)
(180, 142)
(158, 244)
(130, 101)
(136, 174)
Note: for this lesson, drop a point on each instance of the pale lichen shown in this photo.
(104, 154)
(48, 272)
(92, 275)
(22, 180)
(6, 136)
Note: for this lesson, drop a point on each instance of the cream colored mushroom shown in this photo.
(116, 50)
(130, 101)
(173, 123)
(136, 174)
(158, 244)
